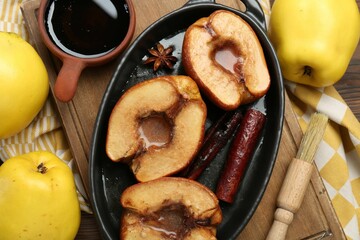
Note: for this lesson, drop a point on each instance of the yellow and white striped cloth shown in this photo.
(11, 19)
(338, 158)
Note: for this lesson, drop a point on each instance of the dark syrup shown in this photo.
(87, 28)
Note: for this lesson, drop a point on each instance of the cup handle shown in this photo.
(67, 79)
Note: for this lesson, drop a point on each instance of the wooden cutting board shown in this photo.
(316, 215)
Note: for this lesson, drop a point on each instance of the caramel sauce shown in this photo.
(155, 130)
(173, 221)
(229, 60)
(210, 30)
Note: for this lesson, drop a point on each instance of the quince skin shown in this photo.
(24, 84)
(314, 40)
(38, 198)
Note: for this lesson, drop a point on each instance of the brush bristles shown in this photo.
(312, 138)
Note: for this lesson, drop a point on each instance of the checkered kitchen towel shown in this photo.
(337, 158)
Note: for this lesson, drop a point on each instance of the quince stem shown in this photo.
(307, 70)
(41, 168)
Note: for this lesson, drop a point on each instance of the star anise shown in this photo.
(161, 57)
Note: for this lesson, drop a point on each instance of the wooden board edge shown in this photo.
(28, 9)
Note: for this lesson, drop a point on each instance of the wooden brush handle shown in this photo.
(290, 197)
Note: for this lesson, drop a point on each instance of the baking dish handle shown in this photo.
(199, 1)
(253, 9)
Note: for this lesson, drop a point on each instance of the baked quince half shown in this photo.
(169, 208)
(224, 56)
(157, 126)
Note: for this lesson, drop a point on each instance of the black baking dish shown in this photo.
(109, 179)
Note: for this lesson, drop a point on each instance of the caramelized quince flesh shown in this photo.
(157, 126)
(224, 56)
(169, 208)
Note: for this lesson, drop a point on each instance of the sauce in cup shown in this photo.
(87, 29)
(84, 33)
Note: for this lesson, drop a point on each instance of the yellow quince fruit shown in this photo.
(314, 40)
(24, 84)
(38, 198)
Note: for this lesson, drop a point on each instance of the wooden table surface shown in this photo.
(348, 87)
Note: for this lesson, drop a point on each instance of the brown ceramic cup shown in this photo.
(69, 74)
